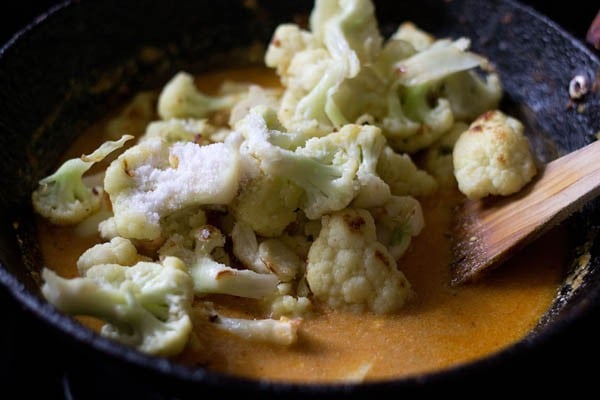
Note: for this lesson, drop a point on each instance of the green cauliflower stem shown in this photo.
(146, 305)
(348, 269)
(180, 98)
(63, 197)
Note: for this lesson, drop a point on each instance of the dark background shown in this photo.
(27, 352)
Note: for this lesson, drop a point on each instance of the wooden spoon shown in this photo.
(486, 232)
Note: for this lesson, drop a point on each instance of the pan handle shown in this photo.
(593, 33)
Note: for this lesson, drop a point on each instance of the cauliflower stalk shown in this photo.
(348, 269)
(282, 331)
(146, 305)
(63, 197)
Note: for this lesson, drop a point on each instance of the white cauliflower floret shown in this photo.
(179, 130)
(118, 251)
(64, 198)
(256, 96)
(153, 179)
(403, 176)
(438, 156)
(313, 65)
(287, 41)
(184, 222)
(332, 170)
(267, 204)
(146, 305)
(493, 157)
(397, 222)
(211, 276)
(290, 300)
(348, 269)
(180, 98)
(418, 38)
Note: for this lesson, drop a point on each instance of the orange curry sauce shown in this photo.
(440, 327)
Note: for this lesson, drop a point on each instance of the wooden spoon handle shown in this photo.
(564, 186)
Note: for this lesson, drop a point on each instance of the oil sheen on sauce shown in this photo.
(442, 326)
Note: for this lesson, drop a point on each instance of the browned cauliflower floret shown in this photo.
(348, 269)
(493, 157)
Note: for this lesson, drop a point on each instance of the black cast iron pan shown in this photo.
(48, 84)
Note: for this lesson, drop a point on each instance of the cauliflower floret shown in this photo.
(180, 98)
(397, 222)
(493, 157)
(146, 305)
(256, 96)
(267, 204)
(332, 170)
(409, 32)
(211, 276)
(416, 124)
(154, 179)
(290, 306)
(403, 176)
(179, 130)
(313, 65)
(287, 41)
(118, 251)
(438, 156)
(63, 197)
(470, 95)
(348, 269)
(360, 144)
